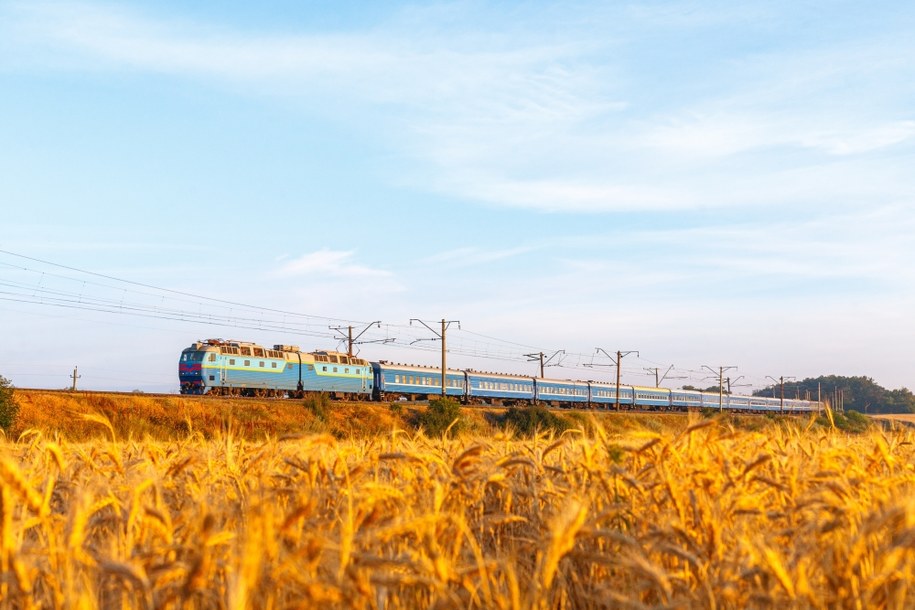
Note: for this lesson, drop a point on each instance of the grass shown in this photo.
(701, 513)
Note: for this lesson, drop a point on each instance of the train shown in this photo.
(237, 368)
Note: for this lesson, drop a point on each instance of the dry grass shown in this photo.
(708, 517)
(906, 418)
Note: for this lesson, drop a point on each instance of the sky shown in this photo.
(702, 184)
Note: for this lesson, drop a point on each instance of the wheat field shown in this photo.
(710, 517)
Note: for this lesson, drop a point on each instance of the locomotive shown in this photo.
(236, 368)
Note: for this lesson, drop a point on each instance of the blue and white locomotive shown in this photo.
(236, 368)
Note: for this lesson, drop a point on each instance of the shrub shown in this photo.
(850, 421)
(440, 416)
(9, 408)
(528, 421)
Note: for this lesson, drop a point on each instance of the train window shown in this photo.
(262, 364)
(346, 370)
(396, 378)
(323, 368)
(259, 352)
(247, 363)
(231, 361)
(273, 364)
(212, 358)
(212, 378)
(335, 369)
(246, 351)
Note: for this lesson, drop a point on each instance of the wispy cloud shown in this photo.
(550, 122)
(328, 263)
(469, 256)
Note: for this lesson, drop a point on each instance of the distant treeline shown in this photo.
(852, 393)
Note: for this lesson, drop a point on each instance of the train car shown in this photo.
(499, 388)
(714, 401)
(684, 400)
(655, 399)
(393, 381)
(603, 395)
(565, 393)
(736, 403)
(794, 406)
(759, 404)
(236, 368)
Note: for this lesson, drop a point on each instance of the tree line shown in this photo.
(860, 394)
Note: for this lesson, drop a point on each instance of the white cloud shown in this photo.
(867, 139)
(469, 256)
(332, 263)
(718, 134)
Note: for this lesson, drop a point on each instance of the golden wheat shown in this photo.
(708, 517)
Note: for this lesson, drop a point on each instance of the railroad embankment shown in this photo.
(78, 416)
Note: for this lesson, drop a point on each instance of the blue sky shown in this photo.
(710, 183)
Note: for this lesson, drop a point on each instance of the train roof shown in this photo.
(499, 375)
(414, 367)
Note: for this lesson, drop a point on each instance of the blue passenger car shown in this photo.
(416, 382)
(603, 395)
(685, 399)
(561, 393)
(499, 389)
(652, 398)
(714, 401)
(737, 403)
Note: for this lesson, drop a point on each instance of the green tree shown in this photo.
(860, 394)
(9, 408)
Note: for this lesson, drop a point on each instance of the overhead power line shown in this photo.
(36, 281)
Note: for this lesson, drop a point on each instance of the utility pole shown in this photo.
(74, 376)
(543, 363)
(780, 381)
(656, 371)
(721, 370)
(735, 383)
(441, 337)
(616, 362)
(351, 341)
